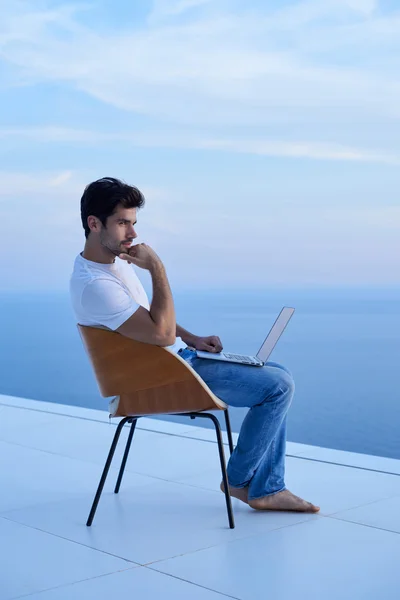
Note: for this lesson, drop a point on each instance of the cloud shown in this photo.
(279, 71)
(196, 141)
(302, 150)
(22, 183)
(311, 11)
(314, 80)
(162, 8)
(366, 7)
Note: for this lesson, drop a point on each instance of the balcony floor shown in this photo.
(165, 535)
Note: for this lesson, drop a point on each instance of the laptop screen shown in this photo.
(275, 333)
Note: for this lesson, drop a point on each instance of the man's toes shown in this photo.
(309, 507)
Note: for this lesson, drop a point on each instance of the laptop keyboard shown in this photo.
(245, 359)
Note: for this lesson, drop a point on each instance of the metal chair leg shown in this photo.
(229, 430)
(222, 460)
(125, 458)
(133, 420)
(105, 470)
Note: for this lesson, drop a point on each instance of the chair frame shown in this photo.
(133, 421)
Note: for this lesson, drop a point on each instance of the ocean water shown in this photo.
(342, 346)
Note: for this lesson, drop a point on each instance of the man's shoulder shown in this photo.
(88, 270)
(88, 276)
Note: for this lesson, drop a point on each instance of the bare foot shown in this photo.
(284, 500)
(239, 493)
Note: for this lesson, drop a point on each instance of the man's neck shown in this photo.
(99, 255)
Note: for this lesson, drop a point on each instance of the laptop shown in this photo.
(266, 348)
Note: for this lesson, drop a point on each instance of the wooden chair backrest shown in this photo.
(147, 379)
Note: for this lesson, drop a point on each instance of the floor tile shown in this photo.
(336, 488)
(152, 522)
(331, 487)
(16, 424)
(323, 558)
(384, 514)
(171, 457)
(80, 438)
(138, 582)
(33, 561)
(29, 477)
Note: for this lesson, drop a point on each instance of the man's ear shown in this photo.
(94, 223)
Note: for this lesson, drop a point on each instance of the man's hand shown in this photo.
(211, 343)
(142, 256)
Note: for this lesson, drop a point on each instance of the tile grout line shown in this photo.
(116, 468)
(110, 421)
(203, 587)
(61, 537)
(71, 583)
(363, 524)
(328, 462)
(227, 542)
(366, 504)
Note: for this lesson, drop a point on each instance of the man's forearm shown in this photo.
(186, 336)
(162, 308)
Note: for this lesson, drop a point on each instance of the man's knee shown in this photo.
(285, 383)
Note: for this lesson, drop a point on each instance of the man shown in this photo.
(106, 292)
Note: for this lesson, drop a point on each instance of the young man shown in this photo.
(106, 292)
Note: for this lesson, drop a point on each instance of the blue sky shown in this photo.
(264, 135)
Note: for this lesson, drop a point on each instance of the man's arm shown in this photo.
(156, 326)
(187, 337)
(210, 343)
(162, 309)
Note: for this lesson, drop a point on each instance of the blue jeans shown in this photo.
(258, 460)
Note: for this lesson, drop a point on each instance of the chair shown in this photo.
(148, 380)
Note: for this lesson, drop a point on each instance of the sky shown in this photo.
(264, 135)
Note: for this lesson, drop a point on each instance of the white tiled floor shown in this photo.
(151, 523)
(135, 583)
(318, 559)
(331, 487)
(166, 535)
(32, 561)
(384, 514)
(36, 477)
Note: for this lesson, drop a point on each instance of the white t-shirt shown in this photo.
(107, 295)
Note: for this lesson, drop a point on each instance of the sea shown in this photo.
(342, 346)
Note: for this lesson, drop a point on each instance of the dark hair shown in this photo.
(102, 197)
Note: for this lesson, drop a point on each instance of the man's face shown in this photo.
(119, 234)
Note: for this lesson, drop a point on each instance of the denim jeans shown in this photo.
(258, 460)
